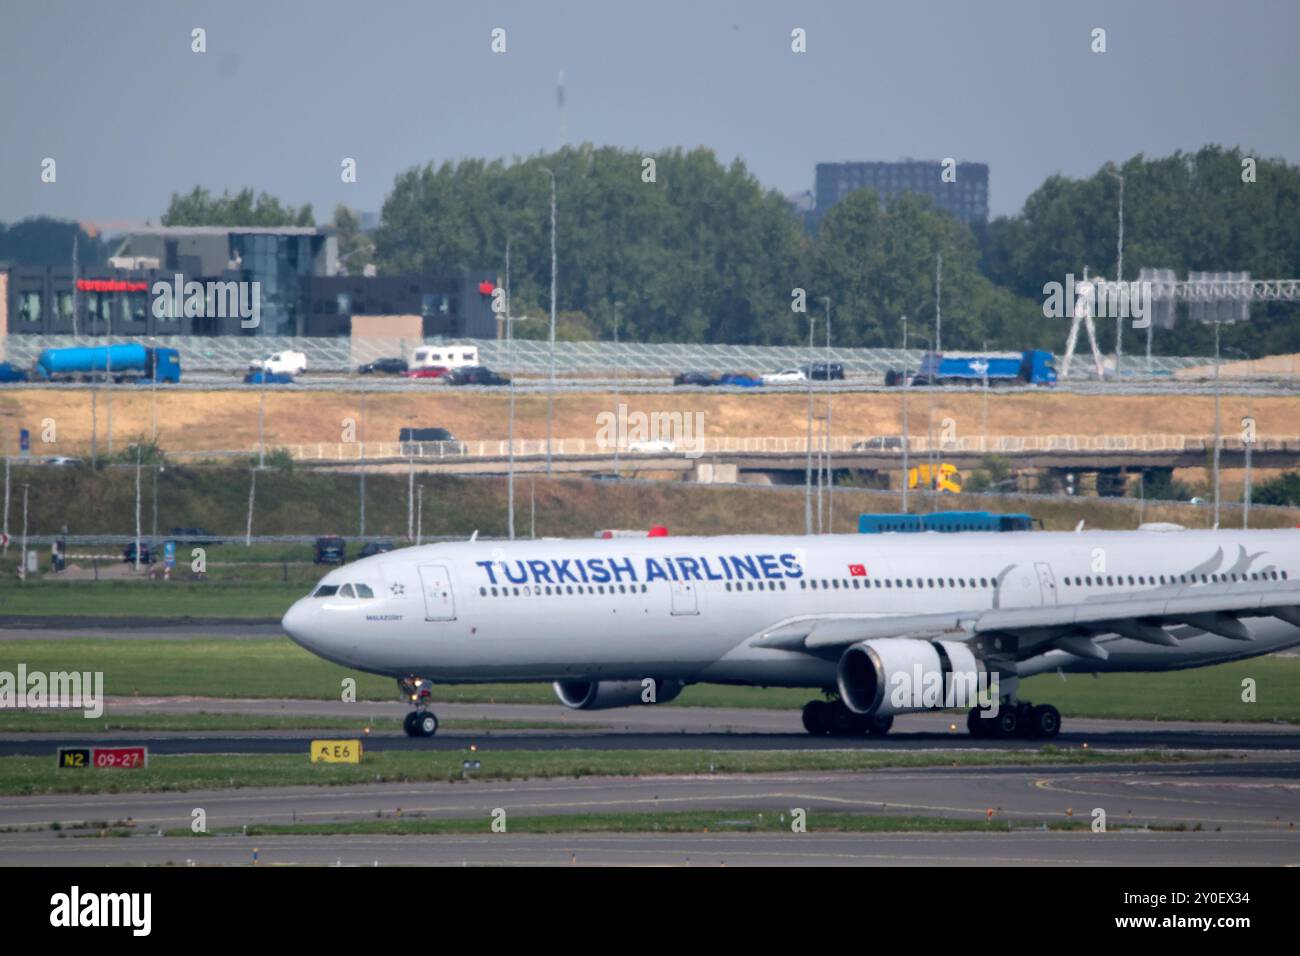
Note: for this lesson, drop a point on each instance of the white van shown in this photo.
(292, 363)
(447, 356)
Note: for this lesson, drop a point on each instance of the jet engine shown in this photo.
(602, 695)
(900, 675)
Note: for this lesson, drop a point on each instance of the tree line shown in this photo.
(689, 249)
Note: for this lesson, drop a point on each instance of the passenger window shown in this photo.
(363, 591)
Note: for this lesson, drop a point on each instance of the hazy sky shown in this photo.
(287, 89)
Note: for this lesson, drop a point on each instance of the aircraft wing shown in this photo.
(1068, 627)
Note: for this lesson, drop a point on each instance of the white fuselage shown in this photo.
(687, 608)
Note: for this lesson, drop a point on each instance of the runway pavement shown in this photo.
(637, 728)
(1232, 813)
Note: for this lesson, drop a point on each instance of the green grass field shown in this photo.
(36, 775)
(279, 668)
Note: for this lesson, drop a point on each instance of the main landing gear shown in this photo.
(1016, 719)
(833, 718)
(420, 722)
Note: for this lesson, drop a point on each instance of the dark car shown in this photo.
(695, 378)
(376, 547)
(824, 371)
(128, 554)
(384, 366)
(330, 549)
(195, 535)
(433, 442)
(475, 375)
(261, 377)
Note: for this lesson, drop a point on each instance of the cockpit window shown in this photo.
(363, 591)
(326, 590)
(346, 591)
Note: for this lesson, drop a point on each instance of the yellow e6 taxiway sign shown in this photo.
(336, 751)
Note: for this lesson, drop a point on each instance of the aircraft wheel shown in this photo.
(1008, 721)
(426, 724)
(1046, 721)
(878, 726)
(409, 724)
(817, 717)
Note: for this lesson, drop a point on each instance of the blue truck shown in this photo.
(1030, 367)
(944, 521)
(127, 362)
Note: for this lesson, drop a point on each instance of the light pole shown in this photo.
(1119, 277)
(906, 377)
(807, 483)
(510, 432)
(1248, 442)
(830, 481)
(1217, 425)
(618, 388)
(550, 394)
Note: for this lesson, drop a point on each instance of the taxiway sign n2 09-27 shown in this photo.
(874, 621)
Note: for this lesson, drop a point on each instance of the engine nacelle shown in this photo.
(901, 675)
(602, 695)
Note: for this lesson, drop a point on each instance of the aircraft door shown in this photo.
(1046, 583)
(439, 602)
(685, 598)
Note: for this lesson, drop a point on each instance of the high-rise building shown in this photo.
(965, 195)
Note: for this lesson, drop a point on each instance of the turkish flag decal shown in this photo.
(858, 570)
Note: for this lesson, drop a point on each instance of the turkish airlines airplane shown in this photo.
(881, 624)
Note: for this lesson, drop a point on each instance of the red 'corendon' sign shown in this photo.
(110, 285)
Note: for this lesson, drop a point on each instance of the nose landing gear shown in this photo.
(420, 722)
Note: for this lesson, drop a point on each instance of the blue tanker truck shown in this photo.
(1031, 367)
(134, 363)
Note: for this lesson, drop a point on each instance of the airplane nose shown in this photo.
(295, 622)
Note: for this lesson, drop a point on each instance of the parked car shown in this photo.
(695, 378)
(823, 371)
(786, 376)
(384, 366)
(196, 535)
(63, 461)
(429, 441)
(475, 375)
(376, 547)
(128, 554)
(263, 377)
(432, 371)
(740, 379)
(291, 363)
(330, 549)
(12, 373)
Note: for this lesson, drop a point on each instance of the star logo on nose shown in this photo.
(398, 590)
